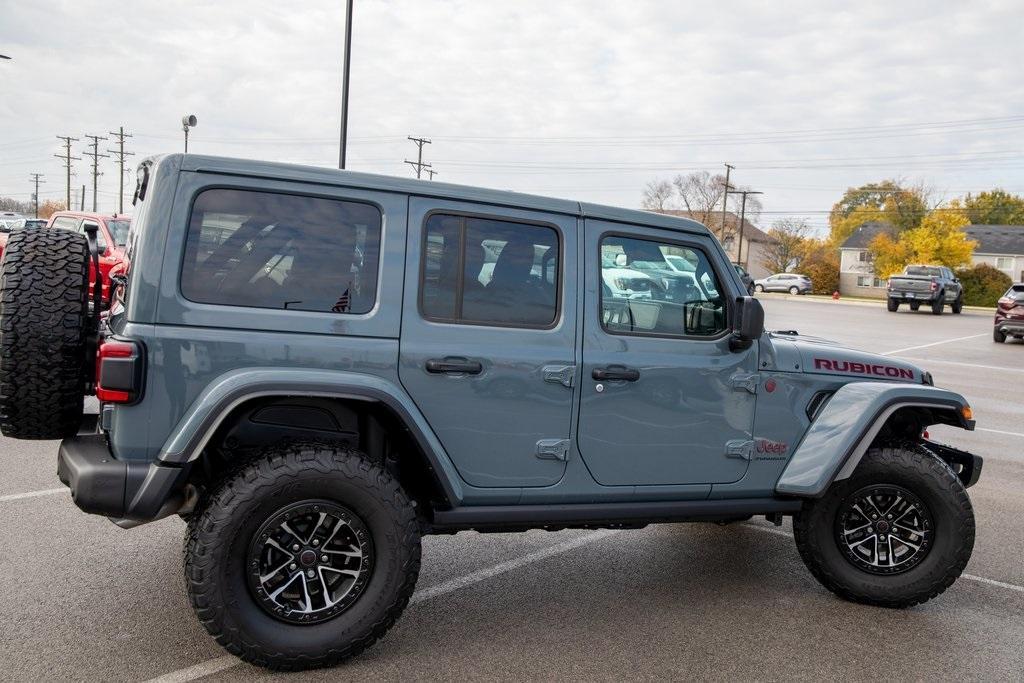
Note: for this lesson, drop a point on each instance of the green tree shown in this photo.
(997, 207)
(785, 250)
(819, 260)
(983, 284)
(905, 206)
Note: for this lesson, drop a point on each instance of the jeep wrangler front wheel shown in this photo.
(897, 533)
(303, 558)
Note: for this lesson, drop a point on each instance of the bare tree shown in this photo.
(701, 194)
(657, 195)
(785, 250)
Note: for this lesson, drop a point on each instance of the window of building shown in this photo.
(489, 271)
(1004, 262)
(642, 294)
(268, 250)
(864, 256)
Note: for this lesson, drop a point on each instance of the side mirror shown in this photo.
(748, 323)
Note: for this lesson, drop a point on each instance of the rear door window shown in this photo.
(489, 271)
(281, 251)
(65, 223)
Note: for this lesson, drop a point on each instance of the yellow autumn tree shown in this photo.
(939, 240)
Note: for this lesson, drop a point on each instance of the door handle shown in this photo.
(613, 372)
(454, 365)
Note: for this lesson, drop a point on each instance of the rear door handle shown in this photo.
(613, 372)
(454, 366)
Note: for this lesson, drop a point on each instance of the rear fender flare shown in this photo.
(234, 388)
(847, 426)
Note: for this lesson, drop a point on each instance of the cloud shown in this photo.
(561, 98)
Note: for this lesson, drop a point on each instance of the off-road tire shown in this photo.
(998, 336)
(938, 304)
(915, 306)
(759, 289)
(958, 304)
(936, 485)
(219, 536)
(892, 305)
(44, 282)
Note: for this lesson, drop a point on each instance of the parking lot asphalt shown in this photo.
(85, 600)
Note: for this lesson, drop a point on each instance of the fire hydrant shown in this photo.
(835, 295)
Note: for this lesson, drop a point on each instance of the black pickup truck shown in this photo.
(935, 286)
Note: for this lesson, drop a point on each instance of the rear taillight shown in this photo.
(119, 371)
(935, 285)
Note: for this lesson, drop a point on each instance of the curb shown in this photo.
(849, 301)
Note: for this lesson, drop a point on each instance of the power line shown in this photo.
(121, 154)
(36, 179)
(418, 164)
(67, 163)
(95, 154)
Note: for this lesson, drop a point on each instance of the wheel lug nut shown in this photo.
(295, 547)
(292, 566)
(323, 558)
(310, 573)
(316, 541)
(888, 516)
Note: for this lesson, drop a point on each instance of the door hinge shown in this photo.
(739, 448)
(745, 380)
(553, 449)
(559, 374)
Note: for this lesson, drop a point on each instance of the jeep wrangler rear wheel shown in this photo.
(303, 558)
(44, 282)
(897, 533)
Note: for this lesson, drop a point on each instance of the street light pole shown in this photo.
(344, 84)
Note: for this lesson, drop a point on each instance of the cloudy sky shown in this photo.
(574, 98)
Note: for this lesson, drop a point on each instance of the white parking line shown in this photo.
(998, 431)
(212, 666)
(31, 494)
(925, 346)
(970, 577)
(966, 365)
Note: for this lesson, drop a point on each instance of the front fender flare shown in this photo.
(232, 389)
(846, 427)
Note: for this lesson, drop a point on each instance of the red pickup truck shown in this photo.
(111, 240)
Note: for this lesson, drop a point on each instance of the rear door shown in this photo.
(488, 332)
(664, 401)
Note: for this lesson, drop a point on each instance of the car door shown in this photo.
(488, 337)
(663, 399)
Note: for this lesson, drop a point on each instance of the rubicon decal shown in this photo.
(877, 370)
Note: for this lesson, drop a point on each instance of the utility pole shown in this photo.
(725, 199)
(121, 154)
(95, 154)
(67, 164)
(36, 178)
(432, 173)
(344, 84)
(743, 213)
(81, 198)
(418, 164)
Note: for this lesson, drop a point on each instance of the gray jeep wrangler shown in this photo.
(314, 368)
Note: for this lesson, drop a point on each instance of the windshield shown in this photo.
(922, 270)
(119, 231)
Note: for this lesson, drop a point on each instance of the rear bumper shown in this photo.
(1009, 326)
(910, 297)
(124, 489)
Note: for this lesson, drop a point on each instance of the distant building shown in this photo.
(1000, 246)
(755, 240)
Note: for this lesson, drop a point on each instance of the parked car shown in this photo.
(111, 238)
(1009, 320)
(310, 426)
(794, 283)
(934, 286)
(748, 281)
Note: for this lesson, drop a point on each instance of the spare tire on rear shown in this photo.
(44, 283)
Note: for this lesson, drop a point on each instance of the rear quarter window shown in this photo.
(282, 251)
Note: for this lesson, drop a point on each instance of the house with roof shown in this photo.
(750, 253)
(1000, 246)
